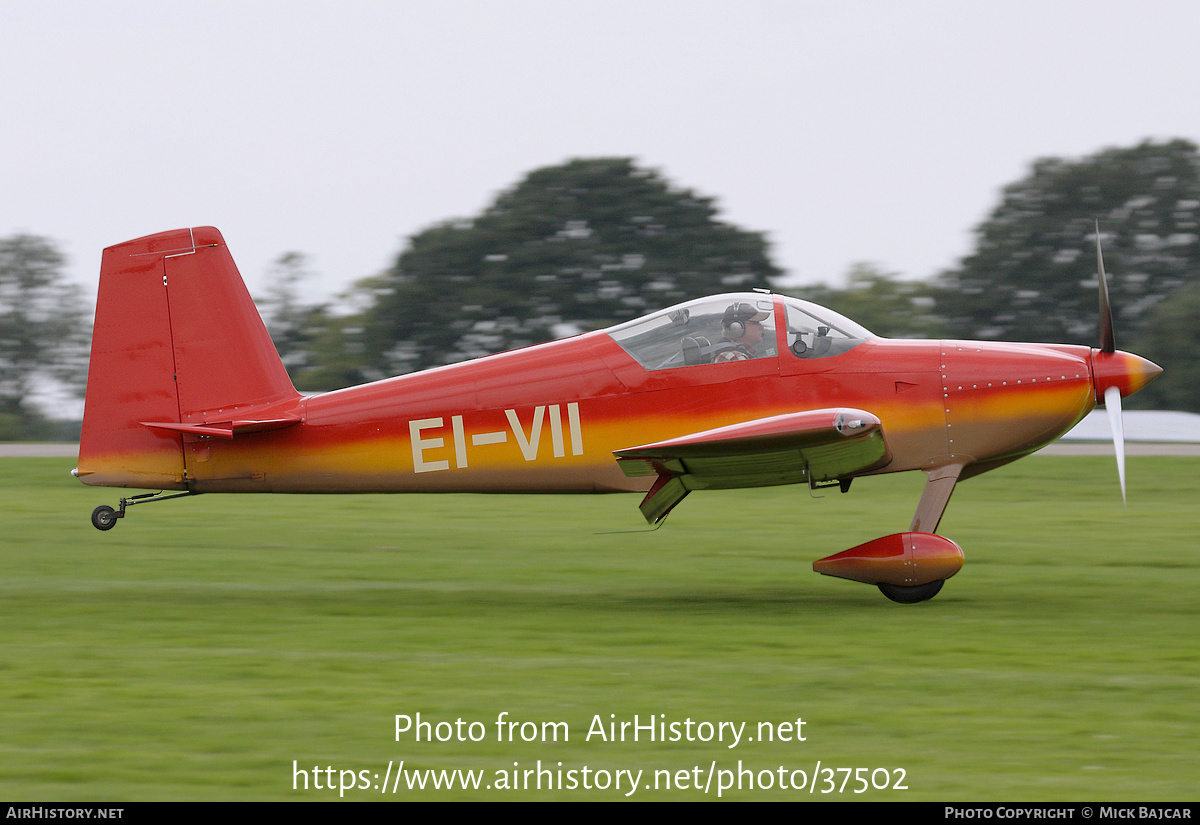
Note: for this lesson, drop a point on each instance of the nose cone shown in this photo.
(1123, 370)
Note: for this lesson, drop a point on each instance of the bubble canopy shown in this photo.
(736, 327)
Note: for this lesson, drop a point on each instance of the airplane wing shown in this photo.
(810, 446)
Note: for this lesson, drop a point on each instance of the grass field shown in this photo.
(203, 645)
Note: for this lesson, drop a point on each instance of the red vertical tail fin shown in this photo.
(177, 341)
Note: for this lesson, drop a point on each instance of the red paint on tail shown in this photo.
(177, 340)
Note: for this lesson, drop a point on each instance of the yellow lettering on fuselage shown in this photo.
(528, 437)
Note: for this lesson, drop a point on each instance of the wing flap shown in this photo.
(810, 446)
(662, 498)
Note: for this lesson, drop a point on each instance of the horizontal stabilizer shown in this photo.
(225, 429)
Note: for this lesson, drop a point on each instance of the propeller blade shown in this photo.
(1112, 402)
(1108, 341)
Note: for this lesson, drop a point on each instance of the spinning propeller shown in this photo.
(1115, 373)
(1108, 346)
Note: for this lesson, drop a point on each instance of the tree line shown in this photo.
(593, 242)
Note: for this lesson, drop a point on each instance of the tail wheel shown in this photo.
(104, 517)
(911, 595)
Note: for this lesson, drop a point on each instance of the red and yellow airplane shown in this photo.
(186, 393)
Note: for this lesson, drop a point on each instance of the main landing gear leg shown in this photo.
(934, 498)
(105, 517)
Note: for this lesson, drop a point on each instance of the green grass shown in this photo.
(201, 646)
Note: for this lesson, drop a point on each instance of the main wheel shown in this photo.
(104, 517)
(911, 595)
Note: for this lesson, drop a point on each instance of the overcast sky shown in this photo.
(846, 131)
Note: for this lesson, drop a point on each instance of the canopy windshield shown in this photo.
(735, 327)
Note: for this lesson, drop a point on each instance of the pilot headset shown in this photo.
(736, 317)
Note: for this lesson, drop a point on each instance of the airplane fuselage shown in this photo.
(549, 417)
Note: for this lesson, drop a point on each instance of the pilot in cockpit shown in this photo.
(743, 333)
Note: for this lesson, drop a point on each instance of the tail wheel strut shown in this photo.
(105, 517)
